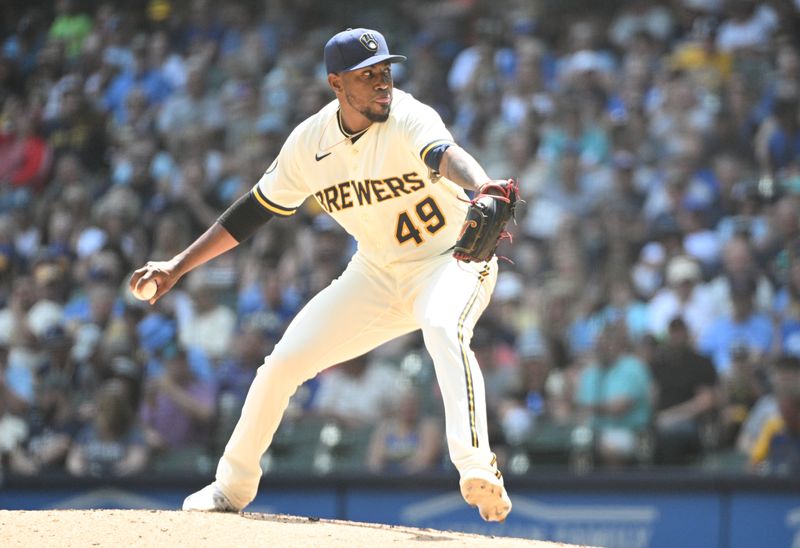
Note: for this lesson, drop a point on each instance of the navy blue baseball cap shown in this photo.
(353, 49)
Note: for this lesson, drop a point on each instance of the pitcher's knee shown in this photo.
(280, 370)
(447, 334)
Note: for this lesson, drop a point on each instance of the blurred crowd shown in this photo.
(650, 316)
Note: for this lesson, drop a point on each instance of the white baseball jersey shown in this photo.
(396, 209)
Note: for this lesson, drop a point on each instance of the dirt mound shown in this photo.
(114, 528)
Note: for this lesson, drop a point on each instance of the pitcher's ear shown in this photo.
(335, 82)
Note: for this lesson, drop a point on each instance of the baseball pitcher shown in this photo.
(384, 166)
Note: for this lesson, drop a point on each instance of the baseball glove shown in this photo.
(486, 220)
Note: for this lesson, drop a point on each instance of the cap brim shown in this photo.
(375, 59)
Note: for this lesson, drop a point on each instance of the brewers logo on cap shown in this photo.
(368, 41)
(353, 49)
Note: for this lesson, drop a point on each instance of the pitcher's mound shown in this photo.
(127, 528)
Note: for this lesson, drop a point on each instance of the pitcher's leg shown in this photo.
(447, 310)
(345, 320)
(448, 307)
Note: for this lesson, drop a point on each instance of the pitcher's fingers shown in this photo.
(161, 289)
(135, 277)
(148, 272)
(146, 278)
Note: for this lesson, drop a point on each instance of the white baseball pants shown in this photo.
(365, 307)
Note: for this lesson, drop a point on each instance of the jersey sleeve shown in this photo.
(425, 130)
(282, 189)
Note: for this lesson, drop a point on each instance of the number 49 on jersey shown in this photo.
(428, 215)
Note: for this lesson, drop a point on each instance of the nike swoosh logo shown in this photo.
(320, 157)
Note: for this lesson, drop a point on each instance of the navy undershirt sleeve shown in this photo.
(434, 156)
(244, 217)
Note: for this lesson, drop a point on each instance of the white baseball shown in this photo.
(145, 291)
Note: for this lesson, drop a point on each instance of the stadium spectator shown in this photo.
(167, 59)
(786, 313)
(620, 306)
(741, 387)
(748, 26)
(782, 136)
(540, 393)
(73, 187)
(783, 226)
(626, 190)
(90, 333)
(25, 157)
(785, 371)
(21, 48)
(195, 108)
(572, 191)
(235, 373)
(204, 322)
(699, 56)
(742, 211)
(112, 444)
(777, 449)
(140, 75)
(740, 267)
(138, 124)
(613, 393)
(267, 302)
(743, 327)
(406, 441)
(13, 428)
(51, 418)
(177, 408)
(684, 295)
(76, 127)
(22, 322)
(638, 17)
(358, 392)
(647, 274)
(686, 396)
(70, 27)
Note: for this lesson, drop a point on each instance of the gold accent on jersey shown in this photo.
(271, 206)
(430, 146)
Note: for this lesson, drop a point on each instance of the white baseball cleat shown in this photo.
(490, 498)
(209, 499)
